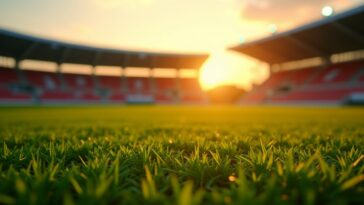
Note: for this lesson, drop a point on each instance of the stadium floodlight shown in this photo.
(327, 11)
(272, 28)
(242, 39)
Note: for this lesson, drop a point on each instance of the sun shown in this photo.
(214, 71)
(229, 68)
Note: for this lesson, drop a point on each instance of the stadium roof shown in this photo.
(340, 33)
(21, 47)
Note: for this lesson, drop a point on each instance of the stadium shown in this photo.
(87, 124)
(34, 87)
(321, 62)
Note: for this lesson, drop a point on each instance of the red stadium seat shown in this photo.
(68, 96)
(193, 98)
(117, 97)
(89, 96)
(165, 84)
(338, 73)
(79, 82)
(317, 95)
(299, 77)
(190, 85)
(138, 85)
(8, 76)
(361, 78)
(275, 79)
(254, 97)
(333, 83)
(164, 98)
(45, 80)
(110, 82)
(8, 95)
(57, 95)
(293, 77)
(191, 91)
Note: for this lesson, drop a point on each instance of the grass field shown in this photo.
(181, 155)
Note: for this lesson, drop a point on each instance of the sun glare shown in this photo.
(229, 68)
(214, 71)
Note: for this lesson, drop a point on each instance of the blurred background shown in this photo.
(170, 51)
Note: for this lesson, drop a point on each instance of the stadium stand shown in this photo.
(165, 90)
(331, 82)
(30, 86)
(192, 90)
(338, 73)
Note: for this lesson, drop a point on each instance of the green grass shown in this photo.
(181, 155)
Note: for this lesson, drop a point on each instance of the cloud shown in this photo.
(287, 11)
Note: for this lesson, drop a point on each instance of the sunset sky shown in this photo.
(192, 26)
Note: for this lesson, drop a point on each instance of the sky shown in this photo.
(178, 26)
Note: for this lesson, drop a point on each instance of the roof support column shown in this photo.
(16, 64)
(27, 51)
(152, 86)
(178, 92)
(20, 74)
(60, 76)
(93, 69)
(94, 77)
(326, 61)
(124, 81)
(65, 53)
(24, 55)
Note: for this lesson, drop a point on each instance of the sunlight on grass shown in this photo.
(181, 155)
